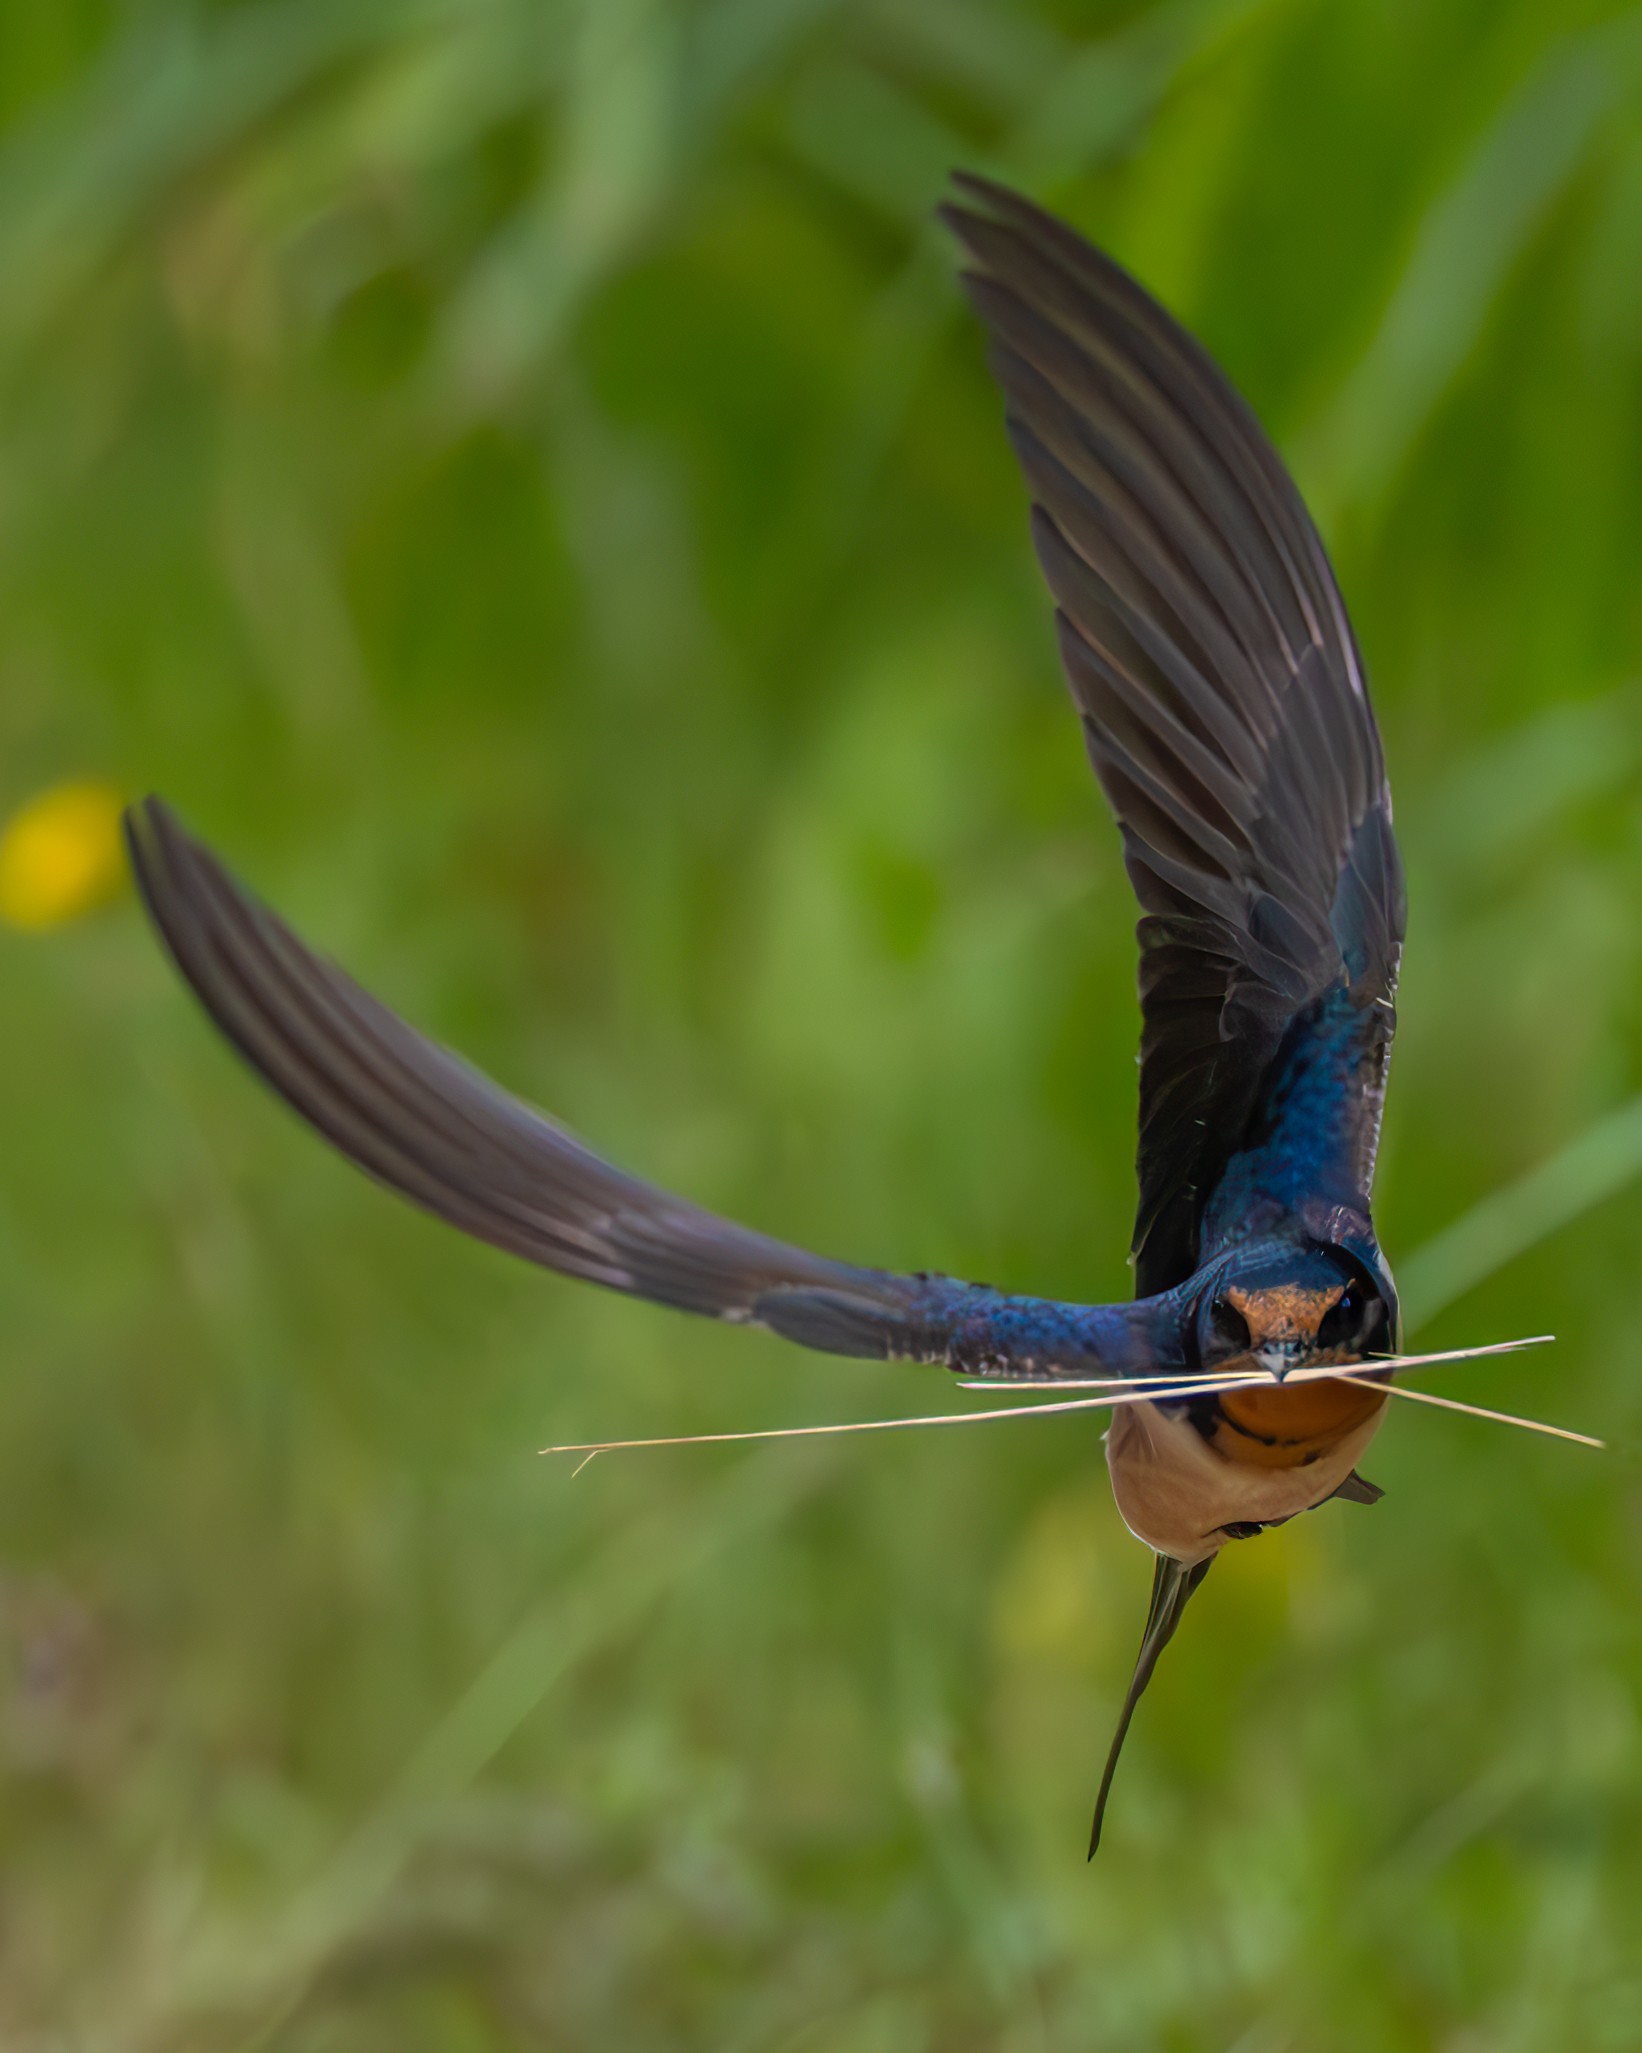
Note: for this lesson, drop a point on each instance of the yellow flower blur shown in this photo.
(60, 855)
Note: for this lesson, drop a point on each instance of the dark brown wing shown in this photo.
(1222, 697)
(430, 1127)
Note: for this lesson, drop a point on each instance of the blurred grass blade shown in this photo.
(1597, 1166)
(1469, 240)
(1518, 786)
(264, 1975)
(170, 100)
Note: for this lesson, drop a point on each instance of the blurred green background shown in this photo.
(518, 476)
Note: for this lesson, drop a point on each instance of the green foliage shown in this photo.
(517, 475)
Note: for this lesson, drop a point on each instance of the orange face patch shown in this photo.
(1286, 1313)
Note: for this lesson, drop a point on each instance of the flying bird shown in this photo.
(1225, 710)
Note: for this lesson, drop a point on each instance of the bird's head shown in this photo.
(1290, 1306)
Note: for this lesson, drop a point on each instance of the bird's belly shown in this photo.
(1177, 1492)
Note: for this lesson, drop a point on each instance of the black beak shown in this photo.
(1172, 1586)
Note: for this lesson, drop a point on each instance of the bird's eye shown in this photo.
(1339, 1325)
(1230, 1325)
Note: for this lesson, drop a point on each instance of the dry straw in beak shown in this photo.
(1119, 1391)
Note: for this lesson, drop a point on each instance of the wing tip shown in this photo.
(992, 206)
(156, 842)
(139, 827)
(157, 847)
(989, 192)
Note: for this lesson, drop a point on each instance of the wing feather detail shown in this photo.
(432, 1128)
(1223, 702)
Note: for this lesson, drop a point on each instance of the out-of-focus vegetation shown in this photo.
(517, 475)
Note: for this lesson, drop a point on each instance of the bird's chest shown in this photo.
(1178, 1489)
(1278, 1426)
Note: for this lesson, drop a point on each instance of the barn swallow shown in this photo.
(1226, 715)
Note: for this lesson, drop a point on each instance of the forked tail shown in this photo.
(1172, 1585)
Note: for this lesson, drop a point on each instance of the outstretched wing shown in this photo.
(1223, 700)
(430, 1127)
